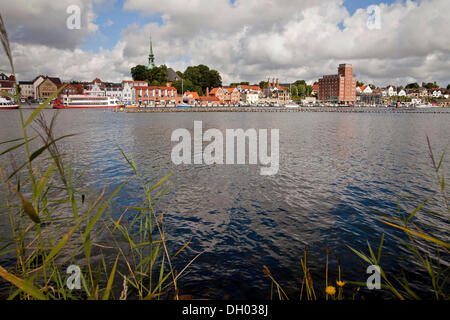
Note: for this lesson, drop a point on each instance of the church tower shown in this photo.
(151, 57)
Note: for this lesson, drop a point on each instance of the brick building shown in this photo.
(153, 95)
(338, 88)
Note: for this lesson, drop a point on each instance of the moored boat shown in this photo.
(86, 102)
(7, 104)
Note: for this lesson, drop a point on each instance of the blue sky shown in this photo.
(112, 19)
(286, 39)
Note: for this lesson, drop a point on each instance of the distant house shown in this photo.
(209, 101)
(402, 93)
(439, 93)
(127, 90)
(72, 89)
(48, 87)
(226, 95)
(172, 75)
(191, 97)
(315, 89)
(36, 82)
(26, 89)
(4, 77)
(247, 89)
(154, 95)
(389, 92)
(7, 86)
(249, 94)
(364, 90)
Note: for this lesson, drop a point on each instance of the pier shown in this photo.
(282, 109)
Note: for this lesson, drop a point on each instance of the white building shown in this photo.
(402, 93)
(389, 92)
(94, 90)
(127, 90)
(249, 94)
(364, 90)
(26, 89)
(36, 83)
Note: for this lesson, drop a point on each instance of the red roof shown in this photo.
(6, 84)
(208, 99)
(251, 87)
(315, 87)
(193, 94)
(154, 87)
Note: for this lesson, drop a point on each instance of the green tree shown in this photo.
(263, 84)
(185, 86)
(235, 84)
(158, 76)
(448, 87)
(412, 86)
(430, 85)
(359, 84)
(203, 77)
(140, 73)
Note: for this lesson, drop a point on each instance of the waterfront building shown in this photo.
(127, 90)
(191, 98)
(390, 91)
(364, 90)
(209, 101)
(48, 87)
(26, 89)
(36, 82)
(315, 90)
(249, 94)
(439, 93)
(95, 88)
(339, 88)
(71, 89)
(154, 95)
(401, 93)
(226, 95)
(7, 84)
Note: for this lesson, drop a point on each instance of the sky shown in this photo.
(245, 40)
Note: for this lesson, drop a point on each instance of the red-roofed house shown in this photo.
(364, 90)
(209, 101)
(226, 95)
(145, 95)
(191, 97)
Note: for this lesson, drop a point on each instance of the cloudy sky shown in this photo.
(245, 40)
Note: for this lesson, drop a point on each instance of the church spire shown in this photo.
(151, 57)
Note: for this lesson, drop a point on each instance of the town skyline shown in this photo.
(289, 41)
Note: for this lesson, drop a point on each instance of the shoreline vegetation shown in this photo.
(140, 265)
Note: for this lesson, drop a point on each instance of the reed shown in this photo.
(40, 192)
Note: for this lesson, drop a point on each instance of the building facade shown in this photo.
(48, 87)
(153, 95)
(26, 89)
(339, 88)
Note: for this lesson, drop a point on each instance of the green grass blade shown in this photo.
(23, 285)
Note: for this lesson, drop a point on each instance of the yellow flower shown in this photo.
(340, 283)
(330, 290)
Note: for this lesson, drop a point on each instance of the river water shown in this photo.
(335, 169)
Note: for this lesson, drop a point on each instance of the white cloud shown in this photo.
(254, 39)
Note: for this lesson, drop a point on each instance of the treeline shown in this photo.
(195, 78)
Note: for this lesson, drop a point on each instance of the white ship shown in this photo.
(7, 104)
(86, 101)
